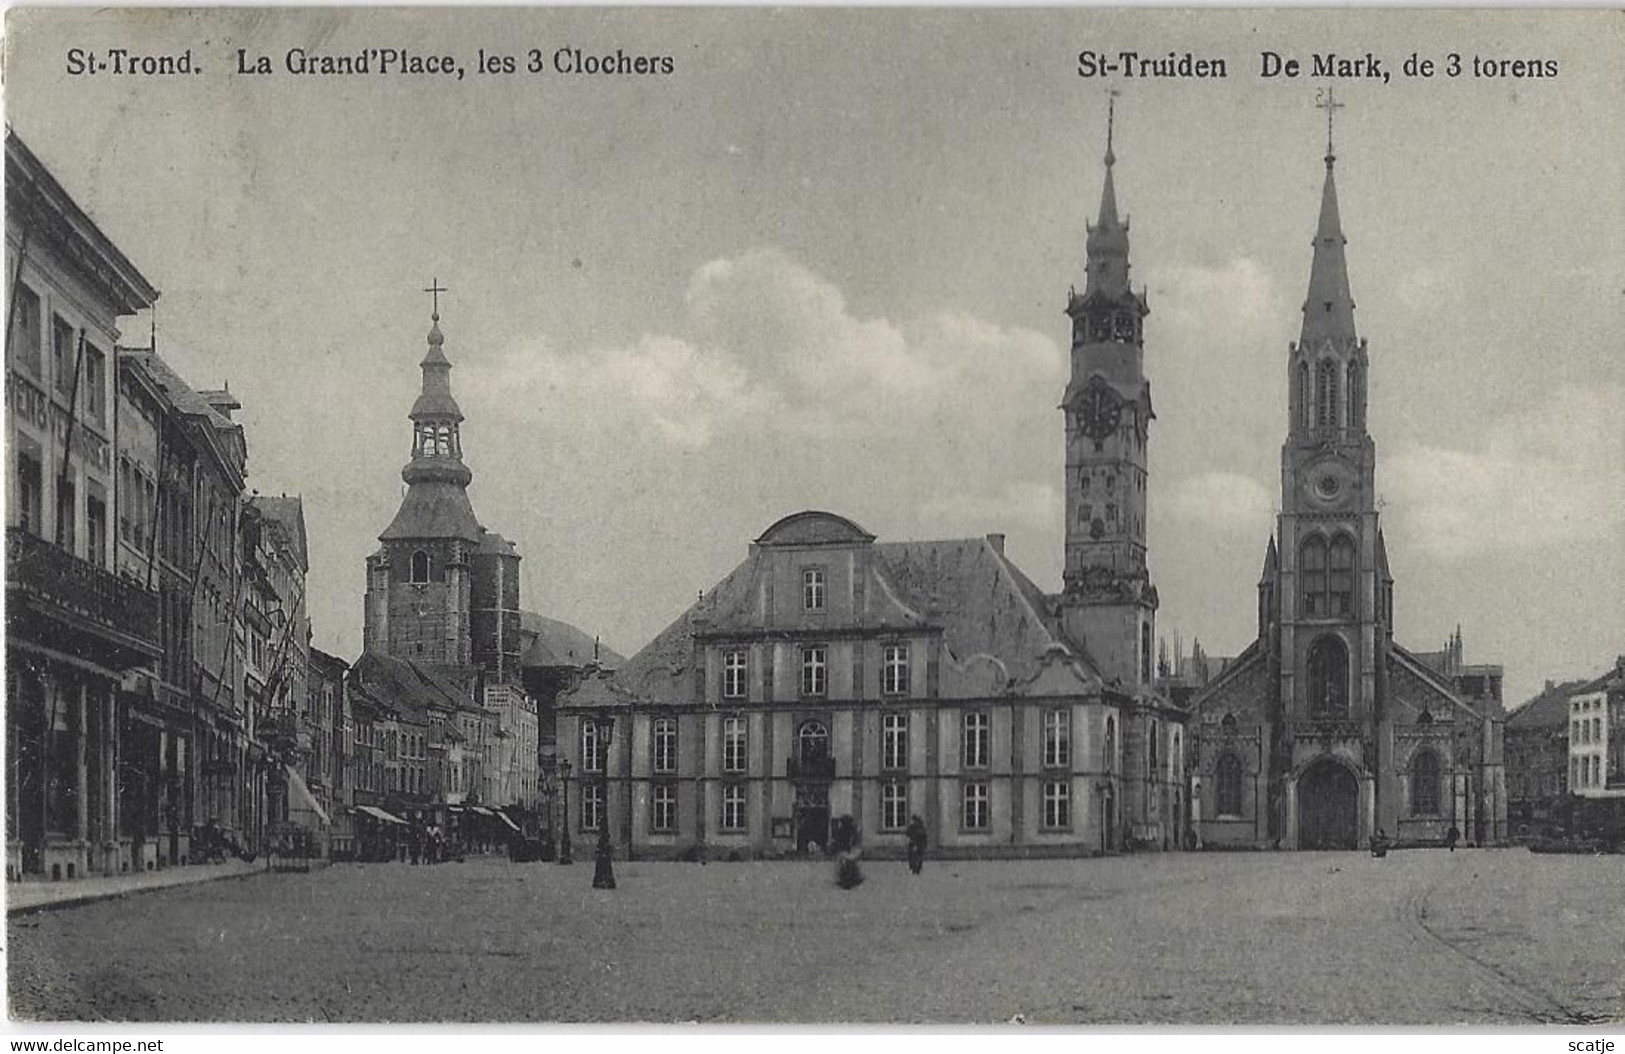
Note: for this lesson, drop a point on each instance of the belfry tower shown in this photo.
(419, 587)
(1108, 603)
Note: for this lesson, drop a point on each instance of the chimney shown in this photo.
(997, 542)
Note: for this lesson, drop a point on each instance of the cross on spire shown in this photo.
(1331, 106)
(434, 290)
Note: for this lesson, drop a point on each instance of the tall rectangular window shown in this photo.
(894, 741)
(893, 805)
(30, 494)
(96, 531)
(977, 740)
(1057, 804)
(665, 744)
(735, 668)
(733, 807)
(894, 670)
(592, 750)
(26, 342)
(66, 506)
(812, 589)
(1057, 739)
(664, 806)
(814, 670)
(592, 806)
(975, 816)
(62, 354)
(95, 393)
(733, 744)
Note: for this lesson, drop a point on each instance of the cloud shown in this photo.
(1223, 501)
(1539, 476)
(767, 344)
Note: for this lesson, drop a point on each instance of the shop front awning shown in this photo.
(302, 800)
(379, 814)
(504, 818)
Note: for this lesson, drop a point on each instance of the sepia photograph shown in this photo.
(1085, 518)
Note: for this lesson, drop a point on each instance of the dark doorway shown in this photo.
(812, 817)
(1328, 807)
(1108, 826)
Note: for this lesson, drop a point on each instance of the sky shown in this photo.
(822, 264)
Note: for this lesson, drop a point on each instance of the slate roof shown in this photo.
(289, 512)
(994, 621)
(558, 643)
(411, 689)
(987, 608)
(186, 398)
(1547, 709)
(434, 509)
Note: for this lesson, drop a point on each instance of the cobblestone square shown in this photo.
(1494, 937)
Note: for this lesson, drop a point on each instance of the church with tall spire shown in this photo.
(1326, 731)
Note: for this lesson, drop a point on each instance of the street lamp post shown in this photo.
(603, 874)
(564, 827)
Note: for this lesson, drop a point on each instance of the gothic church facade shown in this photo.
(1325, 730)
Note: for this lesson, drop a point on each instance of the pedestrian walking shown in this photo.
(1451, 837)
(916, 844)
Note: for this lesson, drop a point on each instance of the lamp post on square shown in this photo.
(564, 826)
(603, 874)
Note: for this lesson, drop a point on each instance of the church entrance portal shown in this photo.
(1328, 807)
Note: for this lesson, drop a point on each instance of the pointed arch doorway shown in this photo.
(1328, 807)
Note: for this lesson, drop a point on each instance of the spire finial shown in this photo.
(1111, 114)
(1330, 104)
(434, 290)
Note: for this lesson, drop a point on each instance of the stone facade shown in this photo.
(1325, 730)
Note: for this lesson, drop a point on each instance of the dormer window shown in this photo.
(812, 589)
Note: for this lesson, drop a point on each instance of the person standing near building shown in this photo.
(916, 844)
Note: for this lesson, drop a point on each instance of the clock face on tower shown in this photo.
(1099, 411)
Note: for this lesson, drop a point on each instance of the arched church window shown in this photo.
(1229, 780)
(1425, 783)
(1228, 724)
(1306, 396)
(1340, 599)
(1328, 677)
(1123, 329)
(1356, 414)
(445, 440)
(1312, 569)
(1151, 750)
(1145, 652)
(1108, 747)
(1100, 328)
(420, 567)
(1326, 393)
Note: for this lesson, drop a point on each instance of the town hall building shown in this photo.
(835, 675)
(1325, 730)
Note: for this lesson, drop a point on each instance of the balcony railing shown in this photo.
(818, 767)
(79, 593)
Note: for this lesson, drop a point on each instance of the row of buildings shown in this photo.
(162, 683)
(164, 702)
